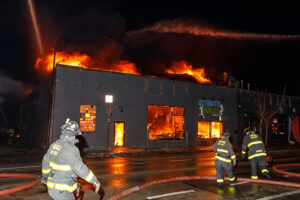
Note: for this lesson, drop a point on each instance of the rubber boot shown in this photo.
(220, 185)
(234, 181)
(267, 175)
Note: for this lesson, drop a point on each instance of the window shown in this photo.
(165, 123)
(87, 118)
(119, 134)
(207, 130)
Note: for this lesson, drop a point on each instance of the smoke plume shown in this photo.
(11, 89)
(189, 26)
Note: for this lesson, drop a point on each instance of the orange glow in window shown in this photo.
(208, 130)
(216, 129)
(119, 134)
(203, 130)
(87, 118)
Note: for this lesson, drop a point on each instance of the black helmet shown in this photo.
(226, 133)
(249, 130)
(70, 128)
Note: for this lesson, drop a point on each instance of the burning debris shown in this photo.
(165, 122)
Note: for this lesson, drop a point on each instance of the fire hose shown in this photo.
(275, 168)
(185, 178)
(21, 187)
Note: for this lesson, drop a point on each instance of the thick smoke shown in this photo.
(11, 89)
(90, 28)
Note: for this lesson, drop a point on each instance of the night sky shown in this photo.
(259, 45)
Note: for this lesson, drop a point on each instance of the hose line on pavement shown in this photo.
(275, 168)
(185, 178)
(21, 187)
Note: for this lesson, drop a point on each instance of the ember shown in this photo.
(181, 67)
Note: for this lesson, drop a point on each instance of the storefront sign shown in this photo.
(211, 107)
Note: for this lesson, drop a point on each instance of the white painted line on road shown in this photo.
(10, 168)
(239, 183)
(180, 160)
(280, 195)
(170, 194)
(286, 175)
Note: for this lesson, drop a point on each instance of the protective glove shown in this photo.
(243, 156)
(44, 179)
(97, 186)
(234, 162)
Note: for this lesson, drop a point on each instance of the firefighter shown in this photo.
(62, 164)
(256, 153)
(225, 159)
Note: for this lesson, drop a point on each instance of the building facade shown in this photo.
(115, 109)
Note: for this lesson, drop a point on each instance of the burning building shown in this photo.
(117, 109)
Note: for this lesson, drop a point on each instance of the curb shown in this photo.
(185, 178)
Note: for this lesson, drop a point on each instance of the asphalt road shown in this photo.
(120, 173)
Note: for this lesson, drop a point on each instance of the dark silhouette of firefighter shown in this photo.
(225, 159)
(62, 164)
(256, 153)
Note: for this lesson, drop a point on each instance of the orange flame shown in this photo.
(119, 134)
(45, 64)
(165, 122)
(181, 67)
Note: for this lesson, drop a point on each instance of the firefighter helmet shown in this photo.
(226, 133)
(70, 128)
(249, 131)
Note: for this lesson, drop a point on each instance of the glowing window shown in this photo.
(216, 129)
(87, 118)
(203, 130)
(119, 134)
(165, 123)
(207, 130)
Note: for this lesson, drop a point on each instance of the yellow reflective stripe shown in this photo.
(46, 171)
(89, 177)
(243, 152)
(222, 150)
(264, 170)
(59, 186)
(223, 159)
(233, 157)
(231, 179)
(257, 155)
(220, 180)
(50, 185)
(253, 143)
(254, 177)
(60, 167)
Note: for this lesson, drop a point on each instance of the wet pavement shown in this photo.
(123, 170)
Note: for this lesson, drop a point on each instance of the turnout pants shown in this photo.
(60, 195)
(220, 167)
(260, 163)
